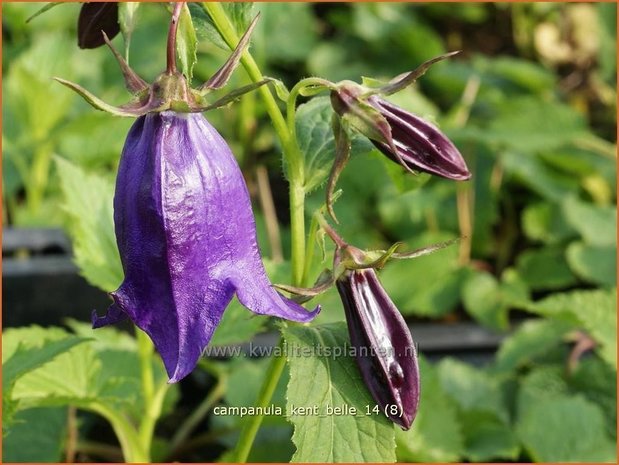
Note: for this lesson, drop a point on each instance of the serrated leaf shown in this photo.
(436, 434)
(88, 203)
(594, 310)
(595, 264)
(335, 382)
(186, 43)
(532, 338)
(565, 429)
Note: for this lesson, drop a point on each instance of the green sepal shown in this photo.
(96, 102)
(342, 155)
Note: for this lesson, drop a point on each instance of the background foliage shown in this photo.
(530, 102)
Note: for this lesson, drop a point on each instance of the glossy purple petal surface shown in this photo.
(187, 238)
(421, 145)
(389, 366)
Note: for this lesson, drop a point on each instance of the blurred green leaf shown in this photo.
(488, 438)
(279, 22)
(489, 300)
(435, 289)
(594, 310)
(526, 125)
(545, 222)
(597, 225)
(545, 268)
(88, 203)
(436, 434)
(531, 339)
(472, 389)
(186, 43)
(596, 264)
(336, 382)
(565, 428)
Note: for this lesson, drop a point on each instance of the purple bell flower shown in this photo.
(187, 239)
(387, 357)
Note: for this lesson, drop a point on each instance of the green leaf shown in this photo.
(488, 438)
(279, 22)
(316, 141)
(335, 381)
(594, 310)
(597, 225)
(88, 203)
(565, 429)
(186, 43)
(23, 360)
(483, 298)
(546, 223)
(531, 339)
(37, 436)
(595, 264)
(436, 434)
(545, 268)
(472, 389)
(525, 125)
(597, 381)
(435, 289)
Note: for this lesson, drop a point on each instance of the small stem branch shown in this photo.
(171, 64)
(72, 433)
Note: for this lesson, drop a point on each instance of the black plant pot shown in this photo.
(40, 283)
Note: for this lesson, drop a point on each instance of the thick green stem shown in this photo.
(130, 443)
(153, 399)
(250, 428)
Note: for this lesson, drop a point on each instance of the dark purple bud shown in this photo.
(96, 17)
(386, 354)
(420, 145)
(187, 239)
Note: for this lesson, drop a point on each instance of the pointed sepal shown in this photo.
(342, 155)
(96, 102)
(222, 76)
(134, 83)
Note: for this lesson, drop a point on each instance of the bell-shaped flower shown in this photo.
(187, 238)
(183, 218)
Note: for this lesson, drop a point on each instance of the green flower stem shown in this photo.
(250, 428)
(153, 399)
(130, 443)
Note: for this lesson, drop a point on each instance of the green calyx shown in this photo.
(170, 91)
